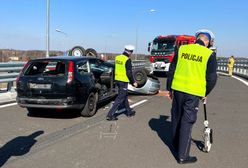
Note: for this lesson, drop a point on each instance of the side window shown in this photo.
(105, 68)
(82, 68)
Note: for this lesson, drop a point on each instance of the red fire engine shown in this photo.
(162, 50)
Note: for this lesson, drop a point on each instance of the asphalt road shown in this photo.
(60, 139)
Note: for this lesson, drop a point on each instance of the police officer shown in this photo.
(192, 75)
(123, 76)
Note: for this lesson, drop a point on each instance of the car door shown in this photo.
(85, 82)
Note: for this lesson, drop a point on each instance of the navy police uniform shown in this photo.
(188, 88)
(124, 76)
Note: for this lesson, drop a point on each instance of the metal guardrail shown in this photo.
(10, 70)
(8, 73)
(240, 67)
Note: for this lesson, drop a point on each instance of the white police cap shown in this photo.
(129, 47)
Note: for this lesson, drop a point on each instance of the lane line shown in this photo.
(138, 103)
(245, 82)
(8, 105)
(235, 77)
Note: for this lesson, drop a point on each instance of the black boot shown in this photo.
(189, 159)
(131, 114)
(111, 118)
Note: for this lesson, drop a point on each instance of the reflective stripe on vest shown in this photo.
(120, 68)
(190, 73)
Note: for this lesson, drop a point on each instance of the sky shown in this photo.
(108, 25)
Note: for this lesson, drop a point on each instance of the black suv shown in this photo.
(66, 82)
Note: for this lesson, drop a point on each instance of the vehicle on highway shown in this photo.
(65, 83)
(162, 50)
(150, 87)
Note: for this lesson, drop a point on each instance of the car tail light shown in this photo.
(70, 76)
(21, 72)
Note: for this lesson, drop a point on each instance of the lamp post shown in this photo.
(137, 25)
(47, 27)
(64, 33)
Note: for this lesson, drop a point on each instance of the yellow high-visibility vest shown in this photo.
(190, 73)
(120, 68)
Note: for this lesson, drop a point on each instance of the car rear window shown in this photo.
(48, 68)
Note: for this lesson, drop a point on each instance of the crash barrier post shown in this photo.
(240, 66)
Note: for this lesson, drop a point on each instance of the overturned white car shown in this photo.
(147, 83)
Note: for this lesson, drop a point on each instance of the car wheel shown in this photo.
(140, 76)
(77, 51)
(90, 106)
(91, 52)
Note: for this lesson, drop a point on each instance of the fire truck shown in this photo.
(163, 48)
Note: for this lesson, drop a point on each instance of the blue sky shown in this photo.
(107, 25)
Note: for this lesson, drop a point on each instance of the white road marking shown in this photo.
(235, 77)
(245, 82)
(138, 103)
(8, 105)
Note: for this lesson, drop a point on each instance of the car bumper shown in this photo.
(66, 103)
(160, 66)
(151, 86)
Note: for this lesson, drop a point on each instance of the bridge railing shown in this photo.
(10, 70)
(240, 67)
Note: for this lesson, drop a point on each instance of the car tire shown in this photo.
(91, 52)
(140, 76)
(77, 51)
(90, 106)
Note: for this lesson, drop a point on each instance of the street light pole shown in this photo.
(65, 34)
(136, 38)
(60, 31)
(47, 27)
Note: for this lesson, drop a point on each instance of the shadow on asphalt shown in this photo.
(164, 131)
(52, 113)
(18, 146)
(199, 144)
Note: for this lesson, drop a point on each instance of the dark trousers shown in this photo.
(121, 99)
(184, 114)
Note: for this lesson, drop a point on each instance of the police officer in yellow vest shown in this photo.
(192, 75)
(123, 76)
